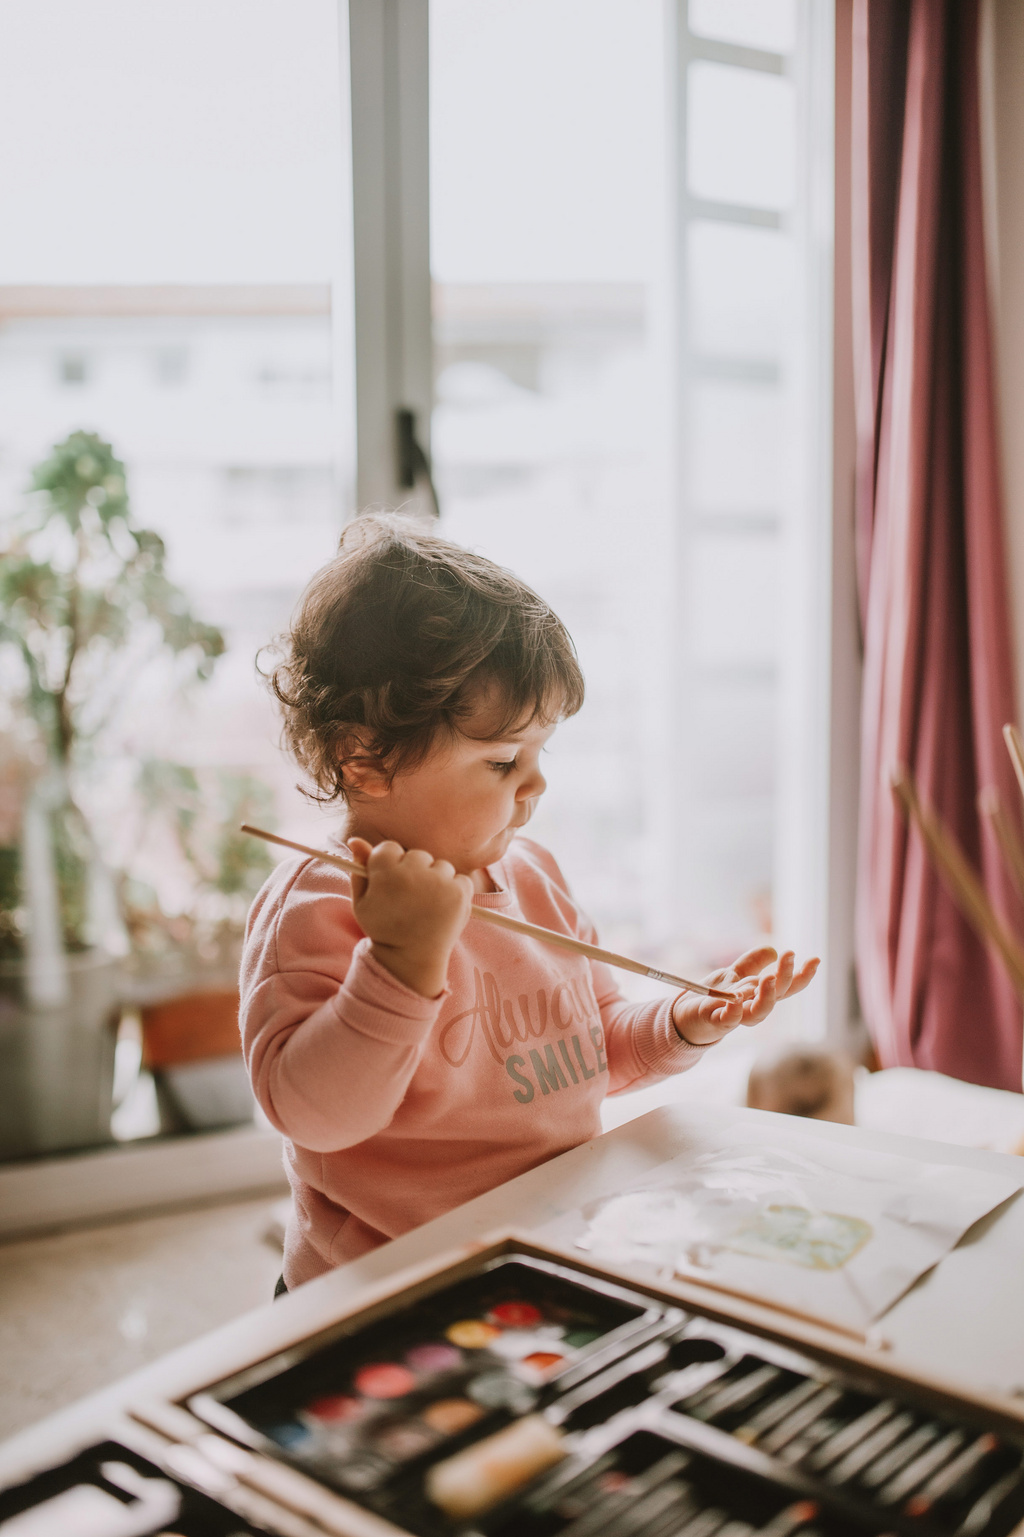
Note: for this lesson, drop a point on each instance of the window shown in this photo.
(169, 287)
(627, 343)
(628, 213)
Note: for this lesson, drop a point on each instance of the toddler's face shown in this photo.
(465, 801)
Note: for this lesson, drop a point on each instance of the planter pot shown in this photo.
(57, 1057)
(191, 1046)
(60, 983)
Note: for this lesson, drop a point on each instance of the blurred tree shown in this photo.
(85, 602)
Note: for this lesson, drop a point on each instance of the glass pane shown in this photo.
(733, 612)
(550, 439)
(740, 291)
(170, 187)
(769, 24)
(741, 136)
(737, 447)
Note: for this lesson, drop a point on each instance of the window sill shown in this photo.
(117, 1182)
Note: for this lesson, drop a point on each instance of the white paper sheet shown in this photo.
(830, 1230)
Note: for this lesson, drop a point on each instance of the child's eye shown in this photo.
(504, 768)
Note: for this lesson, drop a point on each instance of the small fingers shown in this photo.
(754, 961)
(383, 855)
(784, 973)
(804, 976)
(760, 1005)
(417, 859)
(360, 851)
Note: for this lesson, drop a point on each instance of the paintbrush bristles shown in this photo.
(962, 883)
(503, 921)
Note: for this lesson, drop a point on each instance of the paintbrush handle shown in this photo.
(517, 925)
(963, 885)
(1015, 747)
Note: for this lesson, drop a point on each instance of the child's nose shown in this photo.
(533, 785)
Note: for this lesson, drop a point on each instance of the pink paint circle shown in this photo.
(516, 1315)
(384, 1379)
(336, 1409)
(433, 1356)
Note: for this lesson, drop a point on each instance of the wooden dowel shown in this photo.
(1015, 747)
(963, 885)
(991, 807)
(502, 921)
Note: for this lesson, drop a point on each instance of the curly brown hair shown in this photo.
(393, 643)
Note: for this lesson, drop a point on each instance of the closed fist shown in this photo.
(413, 909)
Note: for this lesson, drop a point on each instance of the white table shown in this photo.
(964, 1321)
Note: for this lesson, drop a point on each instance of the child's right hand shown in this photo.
(413, 908)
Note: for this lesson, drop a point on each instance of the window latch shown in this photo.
(413, 467)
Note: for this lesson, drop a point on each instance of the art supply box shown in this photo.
(517, 1392)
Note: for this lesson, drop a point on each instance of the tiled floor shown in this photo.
(80, 1309)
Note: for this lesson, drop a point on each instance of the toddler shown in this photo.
(411, 1059)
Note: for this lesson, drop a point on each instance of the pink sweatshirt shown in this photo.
(395, 1107)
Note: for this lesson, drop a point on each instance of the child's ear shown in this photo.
(362, 769)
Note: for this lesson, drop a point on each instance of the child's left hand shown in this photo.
(760, 979)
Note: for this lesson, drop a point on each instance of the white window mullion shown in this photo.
(391, 238)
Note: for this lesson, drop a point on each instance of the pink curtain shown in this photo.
(938, 681)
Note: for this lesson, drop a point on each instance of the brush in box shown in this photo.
(528, 1398)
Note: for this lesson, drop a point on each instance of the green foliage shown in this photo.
(85, 601)
(203, 809)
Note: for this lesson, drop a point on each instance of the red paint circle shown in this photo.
(516, 1315)
(384, 1379)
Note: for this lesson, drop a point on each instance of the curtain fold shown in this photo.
(938, 670)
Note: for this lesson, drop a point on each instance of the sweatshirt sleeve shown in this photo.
(331, 1038)
(641, 1042)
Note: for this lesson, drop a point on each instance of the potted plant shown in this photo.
(186, 952)
(86, 607)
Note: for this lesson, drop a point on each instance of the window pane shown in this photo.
(736, 449)
(769, 24)
(186, 142)
(171, 187)
(741, 136)
(549, 440)
(740, 291)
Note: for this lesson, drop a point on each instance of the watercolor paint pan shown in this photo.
(109, 1488)
(367, 1409)
(823, 1443)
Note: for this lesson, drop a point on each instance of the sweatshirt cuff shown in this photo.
(661, 1048)
(378, 1005)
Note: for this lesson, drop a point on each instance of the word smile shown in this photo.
(550, 1072)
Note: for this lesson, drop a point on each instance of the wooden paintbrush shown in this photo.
(1015, 747)
(502, 921)
(963, 885)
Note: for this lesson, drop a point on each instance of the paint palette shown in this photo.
(110, 1491)
(526, 1398)
(361, 1410)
